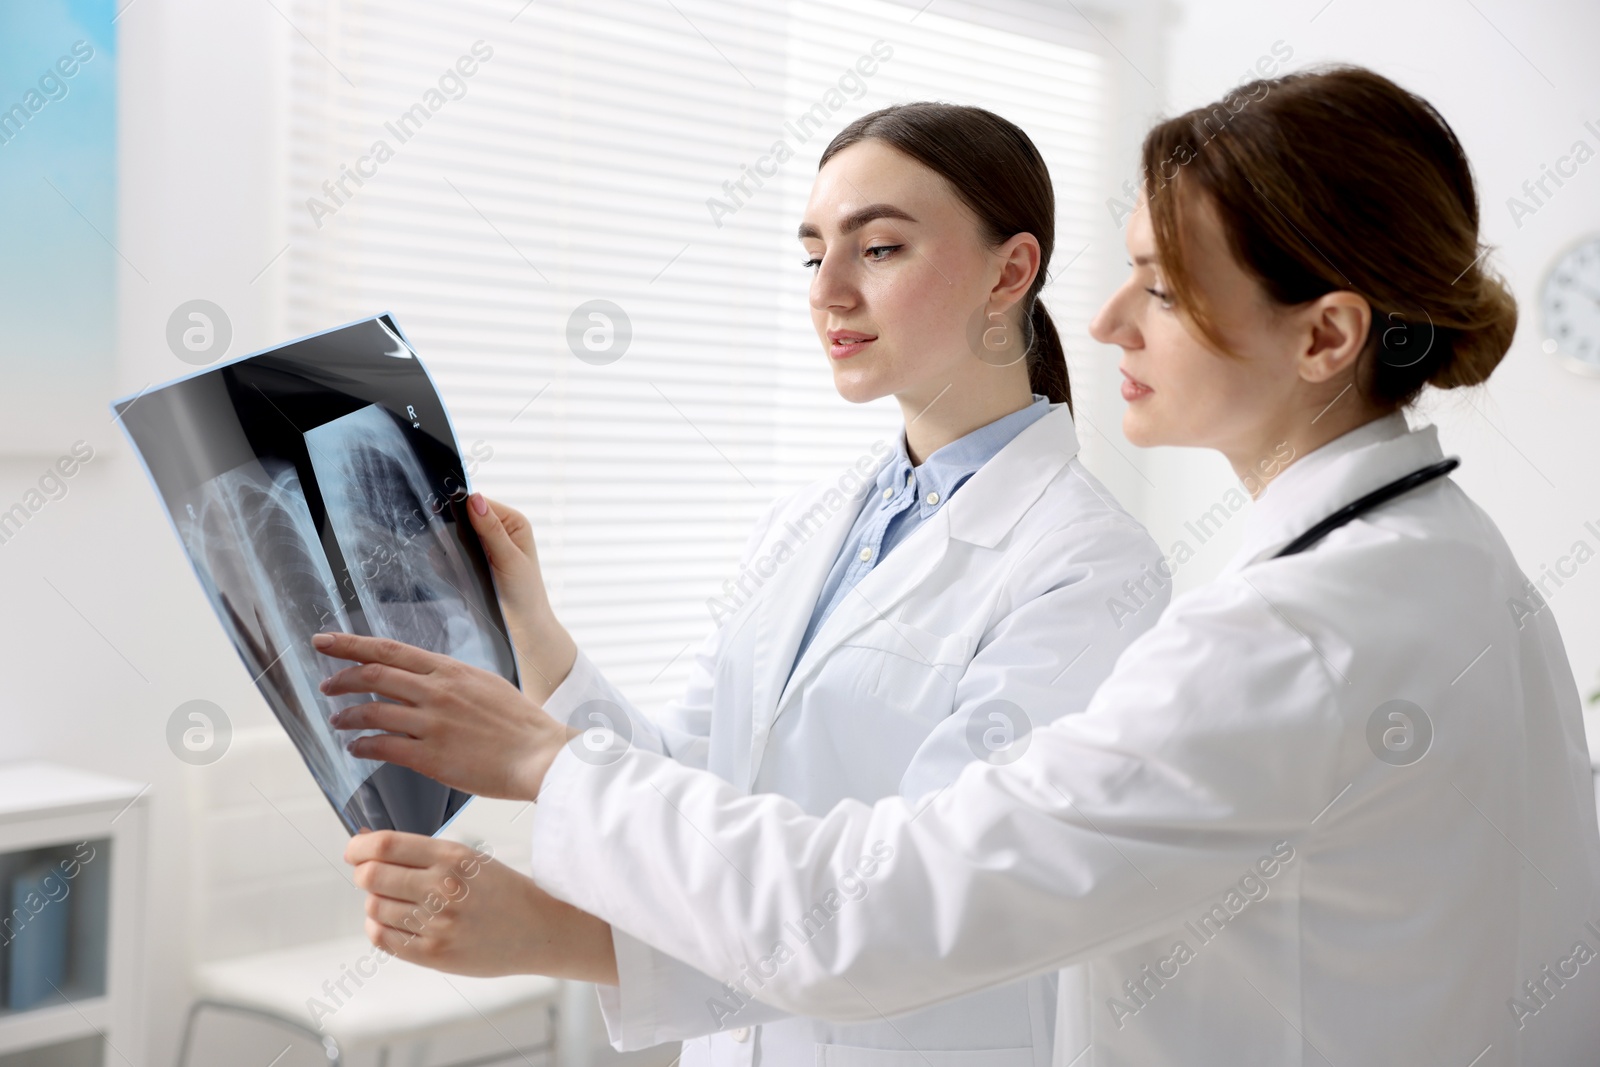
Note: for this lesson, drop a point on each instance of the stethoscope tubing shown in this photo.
(1362, 505)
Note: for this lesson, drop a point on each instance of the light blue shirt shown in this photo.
(905, 497)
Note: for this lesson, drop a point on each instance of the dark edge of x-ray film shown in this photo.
(318, 486)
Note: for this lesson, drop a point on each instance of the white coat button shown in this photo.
(866, 554)
(933, 498)
(741, 1034)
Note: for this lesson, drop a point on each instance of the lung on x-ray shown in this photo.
(319, 486)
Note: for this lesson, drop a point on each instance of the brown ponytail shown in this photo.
(998, 173)
(1047, 358)
(1339, 179)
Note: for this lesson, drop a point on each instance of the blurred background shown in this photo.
(482, 170)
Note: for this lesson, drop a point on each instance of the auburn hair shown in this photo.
(1339, 179)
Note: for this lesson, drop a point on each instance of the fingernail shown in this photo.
(322, 640)
(480, 505)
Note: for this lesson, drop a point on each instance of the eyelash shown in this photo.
(813, 263)
(1160, 294)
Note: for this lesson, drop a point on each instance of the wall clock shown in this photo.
(1569, 305)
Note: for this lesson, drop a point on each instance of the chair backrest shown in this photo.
(266, 855)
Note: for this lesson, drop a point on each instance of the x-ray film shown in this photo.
(318, 486)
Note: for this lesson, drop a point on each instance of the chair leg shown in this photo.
(330, 1047)
(188, 1032)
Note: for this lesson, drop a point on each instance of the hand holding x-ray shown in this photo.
(545, 648)
(507, 537)
(318, 486)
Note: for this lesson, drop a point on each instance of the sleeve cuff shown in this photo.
(583, 682)
(660, 999)
(629, 1007)
(550, 823)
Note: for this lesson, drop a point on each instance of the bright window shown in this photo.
(575, 163)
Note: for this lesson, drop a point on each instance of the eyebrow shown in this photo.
(857, 219)
(1146, 261)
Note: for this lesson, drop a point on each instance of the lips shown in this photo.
(842, 344)
(1133, 389)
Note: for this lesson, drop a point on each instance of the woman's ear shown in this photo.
(1019, 264)
(1337, 324)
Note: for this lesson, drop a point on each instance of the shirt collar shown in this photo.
(944, 471)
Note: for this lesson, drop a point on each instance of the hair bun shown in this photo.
(1481, 341)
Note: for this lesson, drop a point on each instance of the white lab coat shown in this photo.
(1213, 850)
(1006, 590)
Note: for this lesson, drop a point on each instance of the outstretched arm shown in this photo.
(1180, 776)
(1116, 822)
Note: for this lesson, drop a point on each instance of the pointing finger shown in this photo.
(365, 649)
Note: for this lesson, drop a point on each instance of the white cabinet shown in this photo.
(72, 848)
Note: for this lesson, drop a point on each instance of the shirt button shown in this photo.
(933, 498)
(887, 493)
(741, 1034)
(866, 554)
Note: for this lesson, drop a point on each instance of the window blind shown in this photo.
(592, 154)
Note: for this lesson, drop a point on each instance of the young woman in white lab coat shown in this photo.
(1334, 808)
(832, 675)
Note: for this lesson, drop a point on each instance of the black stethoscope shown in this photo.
(1359, 507)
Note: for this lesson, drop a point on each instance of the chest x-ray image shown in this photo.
(318, 486)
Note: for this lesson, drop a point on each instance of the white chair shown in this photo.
(278, 928)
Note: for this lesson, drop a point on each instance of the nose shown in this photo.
(832, 285)
(1113, 324)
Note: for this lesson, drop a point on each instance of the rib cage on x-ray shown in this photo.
(408, 571)
(252, 532)
(318, 486)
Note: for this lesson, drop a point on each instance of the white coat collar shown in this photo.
(1002, 491)
(982, 512)
(1327, 478)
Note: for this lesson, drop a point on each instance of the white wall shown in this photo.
(96, 664)
(1529, 439)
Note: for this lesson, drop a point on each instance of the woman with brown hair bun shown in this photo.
(1334, 808)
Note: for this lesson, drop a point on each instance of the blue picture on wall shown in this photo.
(58, 182)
